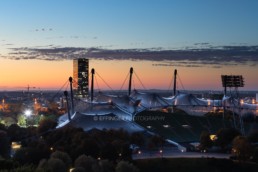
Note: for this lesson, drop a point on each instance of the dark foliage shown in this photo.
(205, 141)
(107, 144)
(46, 125)
(225, 137)
(30, 155)
(4, 144)
(194, 164)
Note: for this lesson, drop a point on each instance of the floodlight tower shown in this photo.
(234, 81)
(230, 81)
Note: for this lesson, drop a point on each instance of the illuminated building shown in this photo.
(81, 77)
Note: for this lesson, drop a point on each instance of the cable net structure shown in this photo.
(115, 110)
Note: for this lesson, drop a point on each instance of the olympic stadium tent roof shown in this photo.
(150, 100)
(139, 101)
(118, 111)
(121, 109)
(107, 121)
(239, 107)
(192, 105)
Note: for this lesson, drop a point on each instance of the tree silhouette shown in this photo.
(46, 125)
(4, 144)
(205, 141)
(225, 137)
(241, 148)
(63, 156)
(124, 166)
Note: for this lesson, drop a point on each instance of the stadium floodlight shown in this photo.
(232, 80)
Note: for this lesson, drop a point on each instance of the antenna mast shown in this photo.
(92, 84)
(130, 81)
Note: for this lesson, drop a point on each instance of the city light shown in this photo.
(28, 113)
(16, 145)
(209, 102)
(213, 137)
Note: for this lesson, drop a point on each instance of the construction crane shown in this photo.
(28, 88)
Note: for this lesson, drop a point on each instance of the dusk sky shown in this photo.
(202, 39)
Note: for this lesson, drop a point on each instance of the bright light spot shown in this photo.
(213, 137)
(16, 145)
(160, 151)
(186, 126)
(28, 113)
(209, 102)
(139, 152)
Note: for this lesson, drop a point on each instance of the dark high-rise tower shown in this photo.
(81, 77)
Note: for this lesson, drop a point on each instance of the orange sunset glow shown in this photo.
(160, 77)
(54, 74)
(36, 73)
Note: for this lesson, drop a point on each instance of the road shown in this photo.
(145, 154)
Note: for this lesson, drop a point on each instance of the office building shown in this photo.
(81, 77)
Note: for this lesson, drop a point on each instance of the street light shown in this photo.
(28, 113)
(161, 153)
